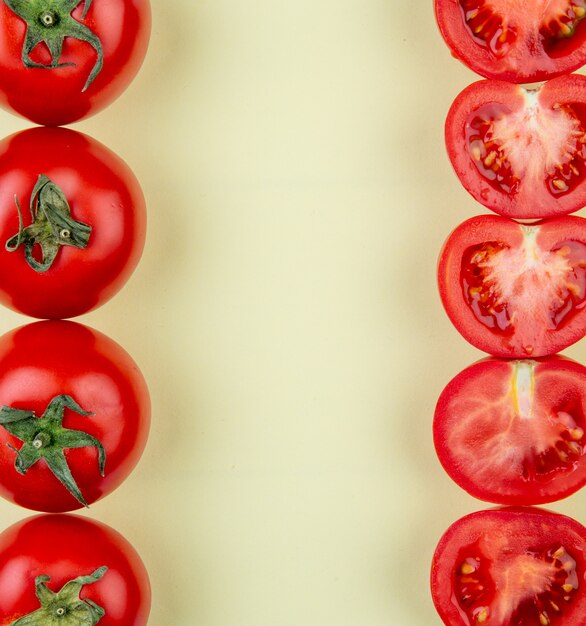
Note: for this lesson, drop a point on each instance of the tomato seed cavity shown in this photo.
(565, 445)
(487, 27)
(561, 25)
(481, 289)
(490, 26)
(473, 589)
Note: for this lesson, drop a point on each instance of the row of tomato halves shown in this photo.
(511, 428)
(74, 406)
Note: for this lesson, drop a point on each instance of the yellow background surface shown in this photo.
(285, 311)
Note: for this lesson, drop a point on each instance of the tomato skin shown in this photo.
(502, 539)
(54, 97)
(64, 547)
(538, 117)
(531, 331)
(41, 360)
(101, 190)
(512, 432)
(524, 60)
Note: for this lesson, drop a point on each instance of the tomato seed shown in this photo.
(559, 553)
(575, 448)
(554, 606)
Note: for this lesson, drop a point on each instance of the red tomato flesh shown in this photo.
(511, 567)
(514, 40)
(521, 152)
(516, 290)
(512, 432)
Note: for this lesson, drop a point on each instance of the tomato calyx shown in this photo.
(65, 606)
(49, 22)
(52, 226)
(46, 438)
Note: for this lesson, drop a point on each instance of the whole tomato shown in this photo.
(74, 415)
(72, 222)
(65, 569)
(62, 60)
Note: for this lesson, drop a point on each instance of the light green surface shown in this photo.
(285, 312)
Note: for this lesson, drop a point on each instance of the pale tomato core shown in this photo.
(526, 288)
(540, 146)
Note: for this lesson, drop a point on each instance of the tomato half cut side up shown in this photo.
(521, 152)
(513, 431)
(514, 40)
(511, 567)
(516, 290)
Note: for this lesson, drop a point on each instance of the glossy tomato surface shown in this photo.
(44, 360)
(511, 567)
(102, 193)
(521, 152)
(512, 431)
(514, 40)
(109, 41)
(63, 548)
(516, 290)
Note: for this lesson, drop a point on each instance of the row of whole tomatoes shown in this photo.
(511, 428)
(74, 406)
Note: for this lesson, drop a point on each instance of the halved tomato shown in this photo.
(511, 567)
(516, 290)
(515, 40)
(521, 152)
(512, 432)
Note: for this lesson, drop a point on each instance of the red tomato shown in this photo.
(516, 290)
(98, 47)
(43, 553)
(513, 567)
(39, 364)
(521, 152)
(517, 41)
(107, 214)
(512, 432)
